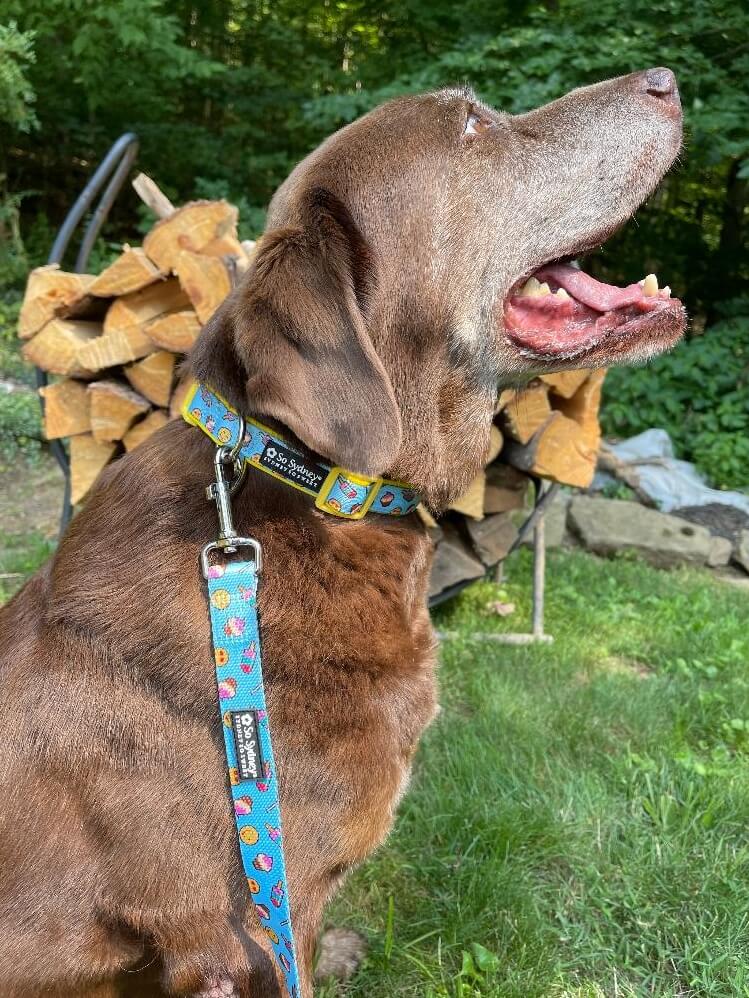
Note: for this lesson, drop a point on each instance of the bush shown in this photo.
(699, 394)
(20, 427)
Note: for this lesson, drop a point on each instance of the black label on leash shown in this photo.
(247, 744)
(293, 466)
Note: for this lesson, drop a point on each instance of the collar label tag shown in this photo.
(292, 466)
(247, 744)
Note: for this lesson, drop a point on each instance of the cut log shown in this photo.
(205, 280)
(178, 397)
(453, 563)
(175, 331)
(583, 407)
(526, 412)
(492, 537)
(119, 347)
(560, 450)
(249, 251)
(506, 489)
(87, 458)
(426, 517)
(226, 245)
(56, 347)
(152, 196)
(152, 376)
(125, 339)
(565, 383)
(67, 409)
(114, 408)
(49, 289)
(192, 227)
(141, 431)
(471, 503)
(506, 396)
(143, 306)
(496, 442)
(130, 272)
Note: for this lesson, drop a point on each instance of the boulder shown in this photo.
(720, 552)
(608, 525)
(741, 550)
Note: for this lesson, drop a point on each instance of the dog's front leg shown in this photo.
(213, 957)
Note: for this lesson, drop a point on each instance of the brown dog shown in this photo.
(382, 312)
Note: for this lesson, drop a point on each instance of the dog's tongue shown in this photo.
(602, 297)
(561, 309)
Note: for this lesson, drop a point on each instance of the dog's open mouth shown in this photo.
(560, 311)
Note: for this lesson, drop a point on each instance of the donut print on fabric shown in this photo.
(348, 493)
(232, 598)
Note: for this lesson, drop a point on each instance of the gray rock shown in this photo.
(556, 522)
(609, 525)
(720, 552)
(741, 550)
(492, 537)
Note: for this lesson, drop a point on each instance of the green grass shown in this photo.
(578, 820)
(20, 555)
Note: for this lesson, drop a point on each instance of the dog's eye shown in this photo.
(477, 124)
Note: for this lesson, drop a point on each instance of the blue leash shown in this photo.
(232, 600)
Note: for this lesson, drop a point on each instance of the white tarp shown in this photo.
(667, 481)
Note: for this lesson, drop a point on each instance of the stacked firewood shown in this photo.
(548, 429)
(113, 342)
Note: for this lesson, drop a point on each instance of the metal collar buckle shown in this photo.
(221, 492)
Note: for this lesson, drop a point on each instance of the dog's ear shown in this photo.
(291, 342)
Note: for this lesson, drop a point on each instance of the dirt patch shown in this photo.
(31, 497)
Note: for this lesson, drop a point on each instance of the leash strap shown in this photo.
(235, 634)
(232, 594)
(336, 490)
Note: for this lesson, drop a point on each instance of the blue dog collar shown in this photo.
(336, 490)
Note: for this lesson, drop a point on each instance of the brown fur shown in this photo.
(369, 327)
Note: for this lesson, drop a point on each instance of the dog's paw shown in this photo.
(218, 987)
(339, 954)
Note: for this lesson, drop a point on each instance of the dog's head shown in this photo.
(415, 262)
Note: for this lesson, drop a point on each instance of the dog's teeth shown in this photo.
(561, 293)
(531, 288)
(666, 291)
(650, 286)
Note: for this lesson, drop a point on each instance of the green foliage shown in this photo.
(20, 426)
(227, 96)
(699, 394)
(20, 556)
(12, 365)
(16, 93)
(236, 92)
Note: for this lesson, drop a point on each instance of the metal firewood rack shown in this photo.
(111, 172)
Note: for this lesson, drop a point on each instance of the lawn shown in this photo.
(578, 820)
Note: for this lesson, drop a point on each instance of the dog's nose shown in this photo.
(661, 83)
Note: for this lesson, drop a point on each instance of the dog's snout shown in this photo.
(661, 83)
